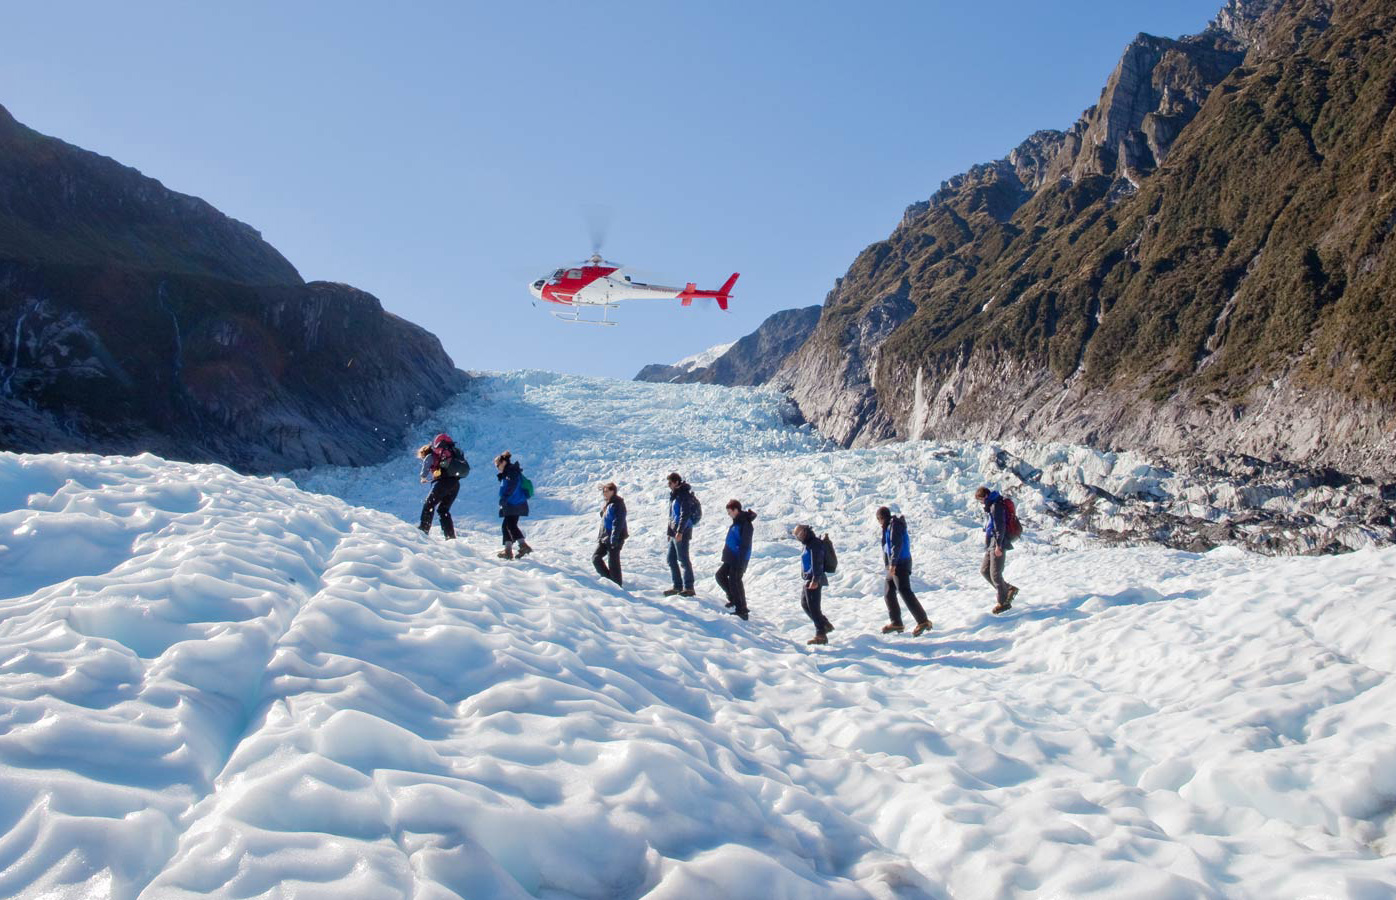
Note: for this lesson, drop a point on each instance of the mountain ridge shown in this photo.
(1141, 288)
(752, 360)
(134, 318)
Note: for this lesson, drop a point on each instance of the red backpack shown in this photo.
(1010, 518)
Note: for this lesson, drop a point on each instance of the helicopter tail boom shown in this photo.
(721, 295)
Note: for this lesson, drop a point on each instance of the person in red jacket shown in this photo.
(444, 465)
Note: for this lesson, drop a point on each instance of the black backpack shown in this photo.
(695, 509)
(831, 558)
(455, 465)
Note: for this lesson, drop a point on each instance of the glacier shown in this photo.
(215, 684)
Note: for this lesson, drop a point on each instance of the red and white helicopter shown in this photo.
(596, 284)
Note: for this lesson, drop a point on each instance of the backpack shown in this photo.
(526, 485)
(695, 509)
(831, 558)
(455, 464)
(1010, 518)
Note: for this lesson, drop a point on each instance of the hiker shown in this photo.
(682, 517)
(444, 465)
(513, 502)
(736, 553)
(812, 570)
(896, 557)
(997, 542)
(613, 534)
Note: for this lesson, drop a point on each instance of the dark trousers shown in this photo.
(992, 570)
(899, 581)
(511, 530)
(729, 578)
(607, 559)
(678, 555)
(443, 494)
(809, 601)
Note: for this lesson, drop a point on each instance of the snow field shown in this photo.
(218, 684)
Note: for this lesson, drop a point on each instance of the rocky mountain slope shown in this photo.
(662, 373)
(1203, 262)
(134, 318)
(753, 360)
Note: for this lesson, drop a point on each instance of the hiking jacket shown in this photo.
(681, 509)
(896, 542)
(512, 499)
(737, 548)
(996, 526)
(812, 560)
(431, 463)
(613, 524)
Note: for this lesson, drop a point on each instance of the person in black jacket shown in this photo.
(736, 553)
(444, 465)
(513, 502)
(996, 544)
(896, 558)
(813, 581)
(612, 536)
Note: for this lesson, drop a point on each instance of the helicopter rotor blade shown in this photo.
(598, 222)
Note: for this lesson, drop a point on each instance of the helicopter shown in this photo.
(595, 284)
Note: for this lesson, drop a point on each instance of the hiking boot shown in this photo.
(672, 592)
(893, 628)
(687, 592)
(1012, 593)
(729, 604)
(506, 553)
(1003, 606)
(921, 628)
(524, 549)
(828, 626)
(424, 529)
(742, 614)
(818, 639)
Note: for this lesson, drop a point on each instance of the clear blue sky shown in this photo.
(441, 155)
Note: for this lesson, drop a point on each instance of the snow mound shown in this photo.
(217, 684)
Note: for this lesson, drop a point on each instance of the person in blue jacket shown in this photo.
(736, 553)
(680, 534)
(612, 536)
(996, 544)
(896, 558)
(814, 580)
(513, 502)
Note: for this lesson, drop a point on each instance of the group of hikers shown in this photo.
(444, 465)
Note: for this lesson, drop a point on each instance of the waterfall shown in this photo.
(14, 358)
(918, 409)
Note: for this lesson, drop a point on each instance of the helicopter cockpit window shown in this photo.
(557, 276)
(574, 273)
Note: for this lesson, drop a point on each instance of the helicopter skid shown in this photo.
(576, 315)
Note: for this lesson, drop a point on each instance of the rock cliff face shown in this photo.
(134, 318)
(753, 360)
(1204, 262)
